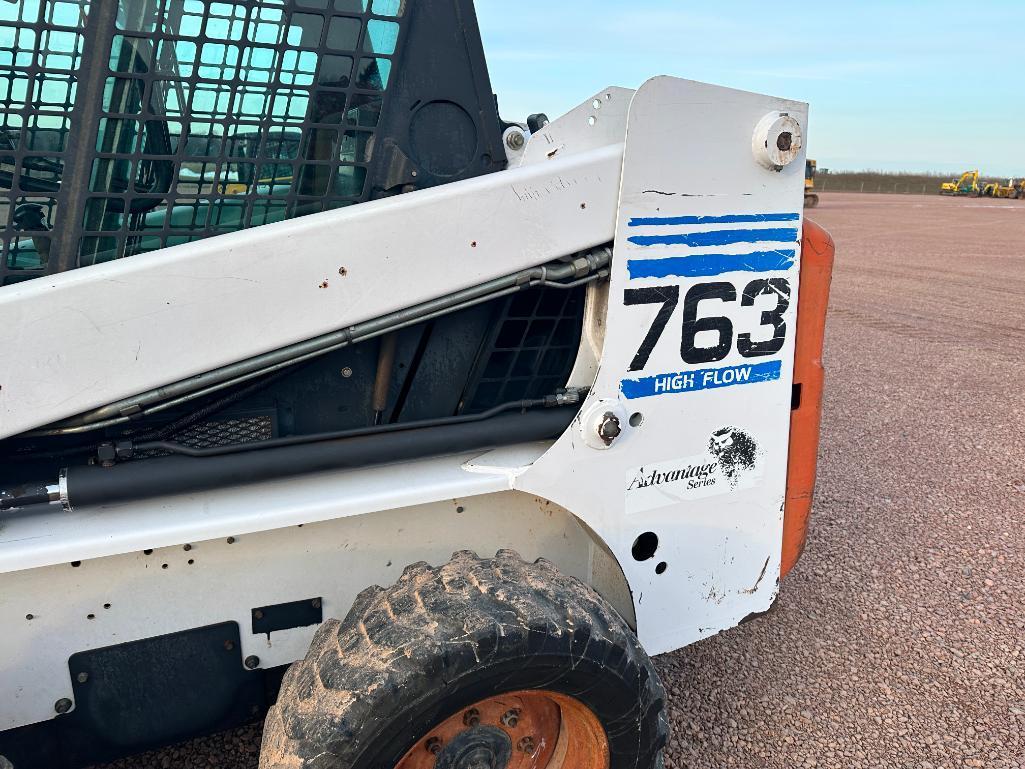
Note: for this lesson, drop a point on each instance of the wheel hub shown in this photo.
(482, 747)
(521, 730)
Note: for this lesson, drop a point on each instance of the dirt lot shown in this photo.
(900, 639)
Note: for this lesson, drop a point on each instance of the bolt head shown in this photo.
(526, 744)
(515, 140)
(82, 677)
(609, 428)
(511, 717)
(63, 705)
(471, 717)
(433, 746)
(252, 662)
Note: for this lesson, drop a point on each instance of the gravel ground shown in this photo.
(899, 641)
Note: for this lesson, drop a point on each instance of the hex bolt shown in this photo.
(433, 746)
(511, 717)
(515, 140)
(471, 717)
(315, 603)
(609, 428)
(252, 662)
(62, 706)
(526, 745)
(82, 677)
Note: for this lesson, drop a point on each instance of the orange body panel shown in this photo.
(816, 274)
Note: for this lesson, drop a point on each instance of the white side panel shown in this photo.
(702, 459)
(118, 599)
(92, 336)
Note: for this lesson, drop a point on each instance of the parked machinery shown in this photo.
(968, 184)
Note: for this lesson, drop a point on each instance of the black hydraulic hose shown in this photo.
(96, 485)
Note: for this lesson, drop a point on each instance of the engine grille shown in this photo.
(530, 350)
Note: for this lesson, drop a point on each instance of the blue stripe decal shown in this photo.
(704, 379)
(717, 238)
(707, 265)
(666, 221)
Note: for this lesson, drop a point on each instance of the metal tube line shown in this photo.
(578, 271)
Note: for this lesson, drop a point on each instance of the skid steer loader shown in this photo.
(290, 315)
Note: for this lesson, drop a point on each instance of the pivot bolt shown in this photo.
(433, 746)
(609, 428)
(515, 140)
(471, 717)
(511, 717)
(526, 745)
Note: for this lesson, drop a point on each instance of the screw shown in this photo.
(346, 372)
(785, 141)
(511, 717)
(82, 677)
(231, 540)
(433, 746)
(257, 614)
(515, 140)
(186, 548)
(609, 429)
(315, 603)
(63, 705)
(471, 717)
(252, 662)
(526, 745)
(229, 645)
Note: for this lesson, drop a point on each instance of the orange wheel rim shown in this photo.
(521, 730)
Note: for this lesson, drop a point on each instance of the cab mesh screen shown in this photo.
(131, 125)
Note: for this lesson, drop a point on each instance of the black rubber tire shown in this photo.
(442, 639)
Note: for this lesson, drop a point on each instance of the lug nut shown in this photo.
(471, 717)
(609, 428)
(433, 746)
(510, 718)
(526, 745)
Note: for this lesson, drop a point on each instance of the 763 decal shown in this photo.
(702, 298)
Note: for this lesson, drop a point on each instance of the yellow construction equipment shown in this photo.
(968, 184)
(998, 190)
(811, 198)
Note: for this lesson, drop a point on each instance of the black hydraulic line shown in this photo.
(96, 485)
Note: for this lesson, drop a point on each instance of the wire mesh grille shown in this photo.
(131, 126)
(531, 350)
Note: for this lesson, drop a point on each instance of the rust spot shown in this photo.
(324, 284)
(554, 152)
(583, 206)
(342, 271)
(473, 244)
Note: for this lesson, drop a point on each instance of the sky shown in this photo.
(910, 86)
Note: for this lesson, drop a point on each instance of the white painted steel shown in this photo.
(688, 154)
(215, 582)
(89, 337)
